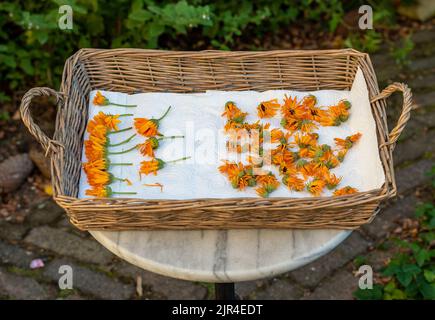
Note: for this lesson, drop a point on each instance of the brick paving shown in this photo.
(46, 234)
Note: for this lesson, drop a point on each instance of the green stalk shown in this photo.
(122, 105)
(170, 137)
(181, 159)
(122, 142)
(124, 151)
(121, 164)
(113, 192)
(164, 115)
(122, 130)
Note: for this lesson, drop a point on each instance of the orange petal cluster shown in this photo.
(303, 163)
(97, 165)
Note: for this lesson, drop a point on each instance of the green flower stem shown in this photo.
(117, 179)
(170, 137)
(122, 142)
(164, 115)
(122, 130)
(121, 164)
(124, 151)
(125, 115)
(181, 159)
(114, 192)
(122, 105)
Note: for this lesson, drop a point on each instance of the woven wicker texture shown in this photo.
(137, 70)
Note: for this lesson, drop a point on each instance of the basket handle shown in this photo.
(406, 108)
(47, 143)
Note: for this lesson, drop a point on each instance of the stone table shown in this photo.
(220, 256)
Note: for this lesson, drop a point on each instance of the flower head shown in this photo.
(345, 191)
(332, 181)
(293, 182)
(268, 109)
(267, 184)
(316, 186)
(100, 100)
(151, 166)
(233, 113)
(147, 127)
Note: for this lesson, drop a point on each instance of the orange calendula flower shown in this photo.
(293, 182)
(345, 191)
(316, 186)
(276, 135)
(287, 169)
(100, 100)
(307, 125)
(104, 192)
(151, 166)
(233, 113)
(107, 120)
(291, 108)
(146, 148)
(268, 183)
(268, 109)
(306, 140)
(156, 164)
(348, 142)
(149, 127)
(309, 101)
(332, 181)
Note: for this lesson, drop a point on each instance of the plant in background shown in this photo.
(411, 272)
(33, 49)
(401, 53)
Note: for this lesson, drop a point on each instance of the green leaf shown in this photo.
(429, 275)
(41, 36)
(27, 66)
(421, 256)
(404, 278)
(369, 294)
(8, 60)
(428, 290)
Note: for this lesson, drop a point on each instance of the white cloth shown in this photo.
(198, 118)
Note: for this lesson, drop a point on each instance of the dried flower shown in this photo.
(100, 100)
(267, 109)
(332, 181)
(345, 191)
(103, 192)
(156, 164)
(149, 127)
(293, 182)
(267, 184)
(316, 186)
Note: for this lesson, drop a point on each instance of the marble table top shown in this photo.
(220, 255)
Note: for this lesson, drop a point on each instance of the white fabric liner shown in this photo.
(198, 117)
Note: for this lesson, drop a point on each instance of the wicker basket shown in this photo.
(137, 70)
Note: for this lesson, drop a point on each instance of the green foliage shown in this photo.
(33, 49)
(401, 53)
(4, 116)
(412, 270)
(431, 174)
(368, 41)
